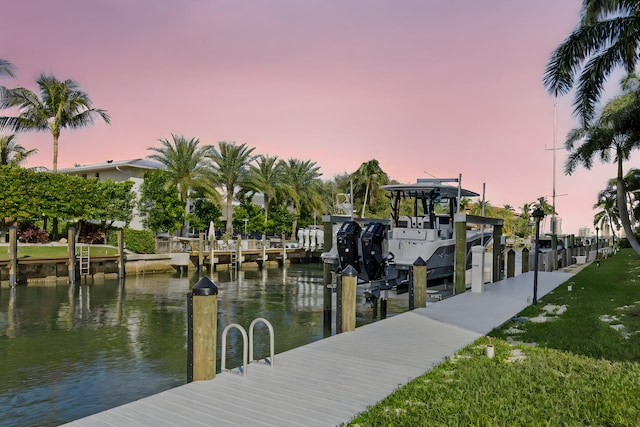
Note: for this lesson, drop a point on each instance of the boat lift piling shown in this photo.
(327, 280)
(13, 256)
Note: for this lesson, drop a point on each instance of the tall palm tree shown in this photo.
(13, 154)
(231, 166)
(267, 178)
(611, 138)
(62, 104)
(607, 36)
(303, 178)
(370, 176)
(185, 162)
(6, 68)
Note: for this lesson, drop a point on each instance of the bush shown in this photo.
(138, 241)
(623, 242)
(32, 235)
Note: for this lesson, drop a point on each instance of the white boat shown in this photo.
(423, 228)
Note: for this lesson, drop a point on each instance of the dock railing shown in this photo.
(192, 244)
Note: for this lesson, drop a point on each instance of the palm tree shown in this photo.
(476, 208)
(608, 213)
(62, 104)
(612, 138)
(465, 204)
(303, 178)
(6, 68)
(13, 154)
(371, 176)
(267, 178)
(185, 162)
(607, 36)
(231, 165)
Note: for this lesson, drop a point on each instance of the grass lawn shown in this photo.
(573, 359)
(57, 251)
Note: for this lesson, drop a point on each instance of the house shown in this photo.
(119, 171)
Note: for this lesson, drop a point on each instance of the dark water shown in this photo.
(70, 351)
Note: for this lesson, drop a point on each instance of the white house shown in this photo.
(119, 171)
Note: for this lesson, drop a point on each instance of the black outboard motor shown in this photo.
(347, 239)
(375, 249)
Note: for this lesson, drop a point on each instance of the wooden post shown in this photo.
(525, 260)
(461, 255)
(383, 306)
(13, 256)
(419, 284)
(202, 303)
(121, 260)
(200, 252)
(212, 254)
(326, 274)
(497, 253)
(548, 263)
(511, 263)
(349, 284)
(71, 249)
(284, 251)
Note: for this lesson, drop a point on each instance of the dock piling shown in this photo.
(511, 263)
(13, 256)
(327, 279)
(418, 297)
(121, 260)
(202, 313)
(71, 249)
(349, 284)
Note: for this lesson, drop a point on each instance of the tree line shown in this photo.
(28, 197)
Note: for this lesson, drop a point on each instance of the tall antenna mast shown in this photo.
(553, 195)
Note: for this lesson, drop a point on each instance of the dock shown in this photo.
(328, 382)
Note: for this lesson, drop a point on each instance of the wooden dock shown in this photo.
(327, 382)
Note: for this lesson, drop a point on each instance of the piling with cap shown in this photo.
(525, 260)
(511, 263)
(202, 303)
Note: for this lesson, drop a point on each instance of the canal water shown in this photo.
(68, 351)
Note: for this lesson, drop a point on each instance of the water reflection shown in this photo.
(67, 351)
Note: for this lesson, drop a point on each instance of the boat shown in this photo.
(421, 226)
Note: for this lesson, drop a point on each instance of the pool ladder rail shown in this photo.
(247, 356)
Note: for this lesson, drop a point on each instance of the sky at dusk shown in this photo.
(426, 87)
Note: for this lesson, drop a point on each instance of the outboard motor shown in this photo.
(347, 240)
(375, 250)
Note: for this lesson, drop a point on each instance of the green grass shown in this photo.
(58, 251)
(573, 370)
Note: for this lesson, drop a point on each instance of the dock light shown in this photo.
(537, 215)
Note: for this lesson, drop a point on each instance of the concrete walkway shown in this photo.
(327, 382)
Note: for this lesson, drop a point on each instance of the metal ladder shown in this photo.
(83, 254)
(233, 260)
(247, 358)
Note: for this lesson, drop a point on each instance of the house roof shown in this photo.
(145, 163)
